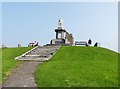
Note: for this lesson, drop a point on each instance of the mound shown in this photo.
(75, 66)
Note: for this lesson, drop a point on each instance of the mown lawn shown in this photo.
(8, 59)
(76, 66)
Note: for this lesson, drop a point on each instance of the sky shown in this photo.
(119, 27)
(60, 0)
(25, 22)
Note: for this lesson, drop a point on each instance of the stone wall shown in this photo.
(69, 38)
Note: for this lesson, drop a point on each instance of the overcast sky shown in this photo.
(29, 22)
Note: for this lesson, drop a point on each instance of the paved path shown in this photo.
(22, 76)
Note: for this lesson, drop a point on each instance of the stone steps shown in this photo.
(39, 53)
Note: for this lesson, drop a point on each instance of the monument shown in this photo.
(62, 36)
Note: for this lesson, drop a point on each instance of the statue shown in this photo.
(60, 23)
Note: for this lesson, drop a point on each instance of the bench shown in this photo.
(81, 43)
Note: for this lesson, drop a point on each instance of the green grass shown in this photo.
(0, 65)
(74, 66)
(8, 59)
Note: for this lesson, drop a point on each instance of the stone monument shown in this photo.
(62, 36)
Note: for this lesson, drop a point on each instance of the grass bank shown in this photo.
(8, 59)
(79, 67)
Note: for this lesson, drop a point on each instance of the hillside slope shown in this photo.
(75, 66)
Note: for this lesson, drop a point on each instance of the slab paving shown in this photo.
(39, 53)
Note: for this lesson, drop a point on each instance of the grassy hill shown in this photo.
(8, 59)
(79, 67)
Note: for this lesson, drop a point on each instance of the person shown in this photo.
(19, 45)
(96, 44)
(86, 44)
(30, 44)
(36, 43)
(89, 42)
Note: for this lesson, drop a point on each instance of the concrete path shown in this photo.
(22, 76)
